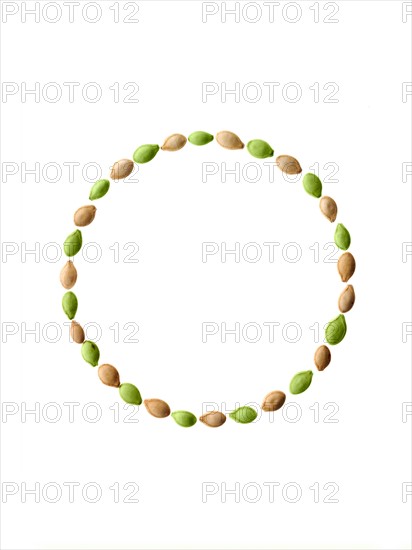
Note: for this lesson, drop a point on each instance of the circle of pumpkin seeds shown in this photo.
(335, 330)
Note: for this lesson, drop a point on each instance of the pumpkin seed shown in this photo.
(157, 407)
(174, 142)
(288, 164)
(99, 189)
(121, 169)
(90, 353)
(84, 215)
(145, 153)
(347, 299)
(73, 243)
(335, 330)
(243, 415)
(346, 266)
(213, 419)
(184, 418)
(301, 382)
(312, 185)
(68, 275)
(200, 138)
(130, 394)
(229, 140)
(109, 375)
(342, 237)
(76, 333)
(322, 357)
(273, 401)
(260, 149)
(70, 304)
(328, 208)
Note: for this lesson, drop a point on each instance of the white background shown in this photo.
(169, 212)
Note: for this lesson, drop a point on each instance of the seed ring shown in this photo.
(335, 330)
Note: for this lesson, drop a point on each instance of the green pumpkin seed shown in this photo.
(342, 237)
(130, 394)
(301, 382)
(243, 415)
(200, 138)
(312, 185)
(73, 243)
(99, 189)
(260, 149)
(335, 330)
(90, 353)
(184, 418)
(145, 153)
(70, 304)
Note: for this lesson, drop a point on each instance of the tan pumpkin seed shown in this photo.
(328, 208)
(109, 375)
(346, 266)
(229, 140)
(288, 164)
(68, 275)
(346, 299)
(76, 333)
(273, 401)
(121, 169)
(157, 407)
(84, 215)
(213, 419)
(322, 357)
(174, 142)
